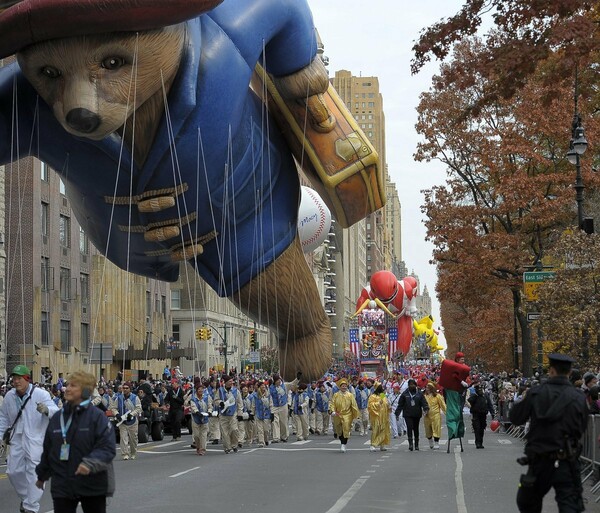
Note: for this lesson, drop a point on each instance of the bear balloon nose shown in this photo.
(83, 120)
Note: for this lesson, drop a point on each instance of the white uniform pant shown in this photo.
(394, 423)
(128, 439)
(199, 433)
(312, 418)
(301, 426)
(280, 422)
(214, 428)
(263, 428)
(20, 469)
(246, 431)
(402, 423)
(229, 431)
(322, 421)
(363, 421)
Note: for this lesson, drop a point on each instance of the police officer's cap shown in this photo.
(560, 358)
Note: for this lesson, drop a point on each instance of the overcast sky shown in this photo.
(375, 39)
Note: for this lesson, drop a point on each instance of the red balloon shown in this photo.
(494, 425)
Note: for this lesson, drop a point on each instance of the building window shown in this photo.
(163, 304)
(84, 243)
(364, 105)
(65, 284)
(44, 171)
(85, 338)
(148, 304)
(61, 187)
(85, 288)
(156, 303)
(64, 231)
(176, 333)
(371, 104)
(371, 95)
(45, 329)
(370, 134)
(65, 336)
(44, 213)
(370, 116)
(176, 299)
(46, 275)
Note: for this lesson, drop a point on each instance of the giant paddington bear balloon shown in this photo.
(168, 153)
(395, 296)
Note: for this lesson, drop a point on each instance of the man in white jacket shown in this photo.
(27, 435)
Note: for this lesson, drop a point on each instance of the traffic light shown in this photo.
(252, 340)
(203, 333)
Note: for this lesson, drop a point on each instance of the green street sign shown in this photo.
(532, 281)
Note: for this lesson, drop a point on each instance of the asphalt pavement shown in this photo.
(314, 476)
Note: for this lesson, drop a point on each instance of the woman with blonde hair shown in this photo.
(79, 448)
(433, 419)
(379, 417)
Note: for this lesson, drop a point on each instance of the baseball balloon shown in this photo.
(314, 220)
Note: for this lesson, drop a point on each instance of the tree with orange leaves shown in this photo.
(507, 193)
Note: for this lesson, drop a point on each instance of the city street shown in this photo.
(314, 476)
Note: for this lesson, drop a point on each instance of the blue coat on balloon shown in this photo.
(217, 153)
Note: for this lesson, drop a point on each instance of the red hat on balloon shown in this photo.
(26, 22)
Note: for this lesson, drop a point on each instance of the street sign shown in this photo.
(254, 357)
(533, 316)
(532, 282)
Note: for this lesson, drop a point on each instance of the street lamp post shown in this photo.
(577, 147)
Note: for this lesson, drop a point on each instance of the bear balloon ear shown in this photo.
(25, 22)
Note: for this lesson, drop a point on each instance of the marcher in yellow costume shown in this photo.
(343, 410)
(379, 417)
(433, 420)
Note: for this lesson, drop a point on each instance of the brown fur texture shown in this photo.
(75, 73)
(285, 298)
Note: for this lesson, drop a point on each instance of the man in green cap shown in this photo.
(24, 418)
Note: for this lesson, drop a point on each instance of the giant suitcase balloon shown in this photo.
(452, 373)
(342, 165)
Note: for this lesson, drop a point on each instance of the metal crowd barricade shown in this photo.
(590, 453)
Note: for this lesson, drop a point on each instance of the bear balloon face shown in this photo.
(94, 83)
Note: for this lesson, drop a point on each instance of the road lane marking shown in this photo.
(185, 472)
(336, 442)
(461, 506)
(504, 441)
(343, 501)
(166, 445)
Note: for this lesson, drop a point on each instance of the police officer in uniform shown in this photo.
(558, 414)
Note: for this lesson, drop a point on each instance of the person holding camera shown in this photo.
(79, 448)
(558, 414)
(24, 417)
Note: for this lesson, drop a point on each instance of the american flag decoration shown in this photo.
(393, 339)
(354, 342)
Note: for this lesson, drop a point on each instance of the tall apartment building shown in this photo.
(68, 308)
(363, 99)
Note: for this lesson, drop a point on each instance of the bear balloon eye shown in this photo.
(50, 72)
(113, 62)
